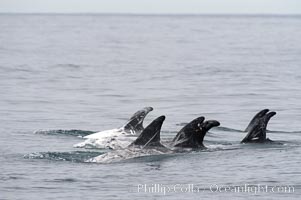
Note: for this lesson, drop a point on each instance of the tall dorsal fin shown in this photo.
(256, 118)
(150, 136)
(257, 133)
(135, 123)
(186, 136)
(187, 131)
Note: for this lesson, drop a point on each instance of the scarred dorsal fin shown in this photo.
(135, 123)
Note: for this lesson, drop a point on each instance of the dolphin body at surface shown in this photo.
(148, 143)
(119, 137)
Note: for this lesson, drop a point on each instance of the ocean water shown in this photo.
(67, 74)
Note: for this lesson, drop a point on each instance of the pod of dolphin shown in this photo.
(191, 136)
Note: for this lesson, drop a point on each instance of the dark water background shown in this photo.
(91, 72)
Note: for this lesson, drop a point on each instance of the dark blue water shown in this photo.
(92, 72)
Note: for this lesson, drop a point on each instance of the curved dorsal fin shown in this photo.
(135, 123)
(256, 118)
(150, 136)
(257, 133)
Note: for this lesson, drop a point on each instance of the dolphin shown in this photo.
(192, 134)
(257, 131)
(148, 143)
(119, 137)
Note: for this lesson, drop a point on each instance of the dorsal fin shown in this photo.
(186, 136)
(150, 136)
(192, 135)
(256, 118)
(257, 133)
(205, 127)
(135, 123)
(187, 131)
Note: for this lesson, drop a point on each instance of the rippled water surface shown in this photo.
(67, 73)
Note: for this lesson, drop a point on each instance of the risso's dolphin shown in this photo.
(192, 134)
(257, 130)
(148, 143)
(119, 137)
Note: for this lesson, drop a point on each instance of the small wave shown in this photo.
(272, 145)
(227, 129)
(152, 158)
(292, 132)
(182, 124)
(213, 135)
(222, 128)
(8, 177)
(73, 132)
(74, 156)
(221, 147)
(65, 180)
(68, 65)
